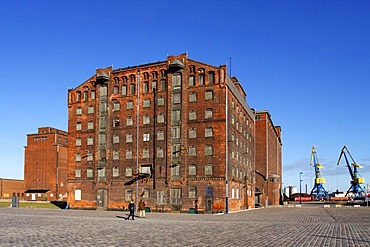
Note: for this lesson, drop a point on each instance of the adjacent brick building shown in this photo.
(180, 126)
(11, 188)
(45, 165)
(268, 160)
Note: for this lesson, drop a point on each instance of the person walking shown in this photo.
(142, 208)
(131, 208)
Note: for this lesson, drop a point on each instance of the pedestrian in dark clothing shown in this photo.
(131, 208)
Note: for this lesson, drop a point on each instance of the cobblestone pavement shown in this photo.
(280, 226)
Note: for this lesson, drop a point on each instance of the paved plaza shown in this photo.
(273, 226)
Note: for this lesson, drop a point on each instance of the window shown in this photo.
(192, 97)
(154, 85)
(146, 169)
(89, 156)
(90, 141)
(145, 87)
(102, 138)
(90, 110)
(115, 138)
(128, 154)
(209, 95)
(160, 118)
(176, 81)
(92, 94)
(78, 126)
(208, 150)
(176, 132)
(128, 138)
(78, 173)
(130, 105)
(192, 115)
(78, 142)
(115, 171)
(78, 195)
(90, 125)
(128, 172)
(146, 119)
(103, 90)
(160, 153)
(146, 137)
(86, 98)
(124, 90)
(208, 132)
(78, 157)
(192, 133)
(116, 122)
(89, 173)
(132, 89)
(191, 81)
(160, 197)
(176, 115)
(78, 111)
(192, 151)
(160, 135)
(176, 150)
(116, 106)
(129, 121)
(176, 98)
(208, 114)
(208, 170)
(201, 79)
(163, 85)
(115, 90)
(232, 120)
(160, 101)
(211, 77)
(115, 155)
(146, 153)
(78, 98)
(128, 195)
(192, 192)
(192, 170)
(146, 103)
(175, 196)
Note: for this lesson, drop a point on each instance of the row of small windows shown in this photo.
(176, 116)
(146, 102)
(128, 171)
(130, 89)
(208, 132)
(192, 152)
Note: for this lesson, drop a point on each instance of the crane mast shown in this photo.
(355, 189)
(318, 191)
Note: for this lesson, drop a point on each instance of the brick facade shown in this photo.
(11, 188)
(268, 160)
(45, 166)
(192, 134)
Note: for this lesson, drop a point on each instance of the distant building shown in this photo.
(268, 160)
(45, 165)
(181, 127)
(11, 188)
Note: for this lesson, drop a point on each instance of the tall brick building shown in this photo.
(45, 165)
(268, 160)
(180, 126)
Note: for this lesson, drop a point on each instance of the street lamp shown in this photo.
(300, 187)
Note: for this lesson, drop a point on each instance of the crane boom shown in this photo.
(356, 179)
(318, 190)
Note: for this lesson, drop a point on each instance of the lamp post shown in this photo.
(300, 187)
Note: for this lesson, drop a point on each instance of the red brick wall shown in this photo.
(10, 188)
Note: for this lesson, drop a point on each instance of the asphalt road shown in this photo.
(273, 226)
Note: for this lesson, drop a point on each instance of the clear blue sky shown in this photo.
(307, 62)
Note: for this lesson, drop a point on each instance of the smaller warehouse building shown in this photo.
(11, 188)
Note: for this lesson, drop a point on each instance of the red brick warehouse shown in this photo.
(182, 127)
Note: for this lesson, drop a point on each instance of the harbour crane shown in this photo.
(355, 189)
(318, 191)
